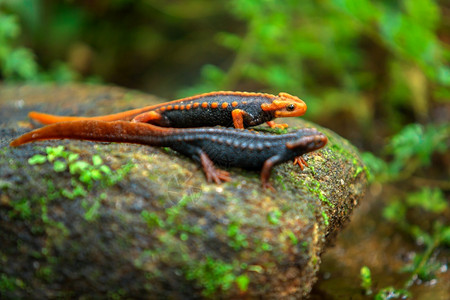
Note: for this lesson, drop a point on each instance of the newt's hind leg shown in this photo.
(213, 174)
(151, 117)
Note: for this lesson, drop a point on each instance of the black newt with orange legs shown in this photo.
(223, 146)
(229, 109)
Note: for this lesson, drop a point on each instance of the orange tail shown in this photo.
(100, 131)
(122, 116)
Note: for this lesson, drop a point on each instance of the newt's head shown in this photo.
(307, 140)
(285, 105)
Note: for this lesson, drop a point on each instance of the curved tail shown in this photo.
(99, 131)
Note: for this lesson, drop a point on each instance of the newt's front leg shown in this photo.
(265, 171)
(238, 118)
(272, 124)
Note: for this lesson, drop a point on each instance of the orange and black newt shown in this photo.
(229, 109)
(223, 146)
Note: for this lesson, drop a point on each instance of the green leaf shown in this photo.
(395, 211)
(432, 200)
(424, 12)
(366, 279)
(242, 282)
(9, 27)
(37, 159)
(20, 64)
(59, 166)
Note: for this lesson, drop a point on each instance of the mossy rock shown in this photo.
(97, 220)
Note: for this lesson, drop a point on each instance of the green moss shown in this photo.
(314, 187)
(172, 220)
(237, 239)
(211, 275)
(20, 209)
(292, 237)
(274, 217)
(326, 218)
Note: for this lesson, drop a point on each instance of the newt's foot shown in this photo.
(213, 174)
(301, 162)
(218, 176)
(272, 124)
(268, 185)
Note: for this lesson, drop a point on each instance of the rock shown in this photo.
(97, 220)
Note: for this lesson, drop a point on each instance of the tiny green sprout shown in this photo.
(274, 217)
(37, 159)
(366, 280)
(78, 167)
(59, 166)
(55, 152)
(392, 293)
(97, 160)
(266, 246)
(292, 237)
(72, 157)
(105, 169)
(184, 236)
(242, 282)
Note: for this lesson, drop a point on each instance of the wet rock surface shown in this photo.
(117, 220)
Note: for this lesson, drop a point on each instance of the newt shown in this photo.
(229, 109)
(208, 146)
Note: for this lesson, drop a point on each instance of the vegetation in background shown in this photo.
(377, 72)
(422, 212)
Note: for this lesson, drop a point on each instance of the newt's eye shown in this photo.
(290, 107)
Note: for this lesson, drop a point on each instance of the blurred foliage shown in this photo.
(421, 211)
(410, 150)
(376, 72)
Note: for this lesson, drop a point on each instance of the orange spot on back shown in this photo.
(234, 103)
(162, 109)
(195, 105)
(205, 104)
(214, 105)
(188, 107)
(182, 107)
(169, 107)
(176, 107)
(224, 105)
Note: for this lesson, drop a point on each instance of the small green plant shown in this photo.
(366, 280)
(214, 275)
(84, 175)
(425, 201)
(172, 219)
(19, 63)
(409, 150)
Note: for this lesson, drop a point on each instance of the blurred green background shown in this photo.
(377, 72)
